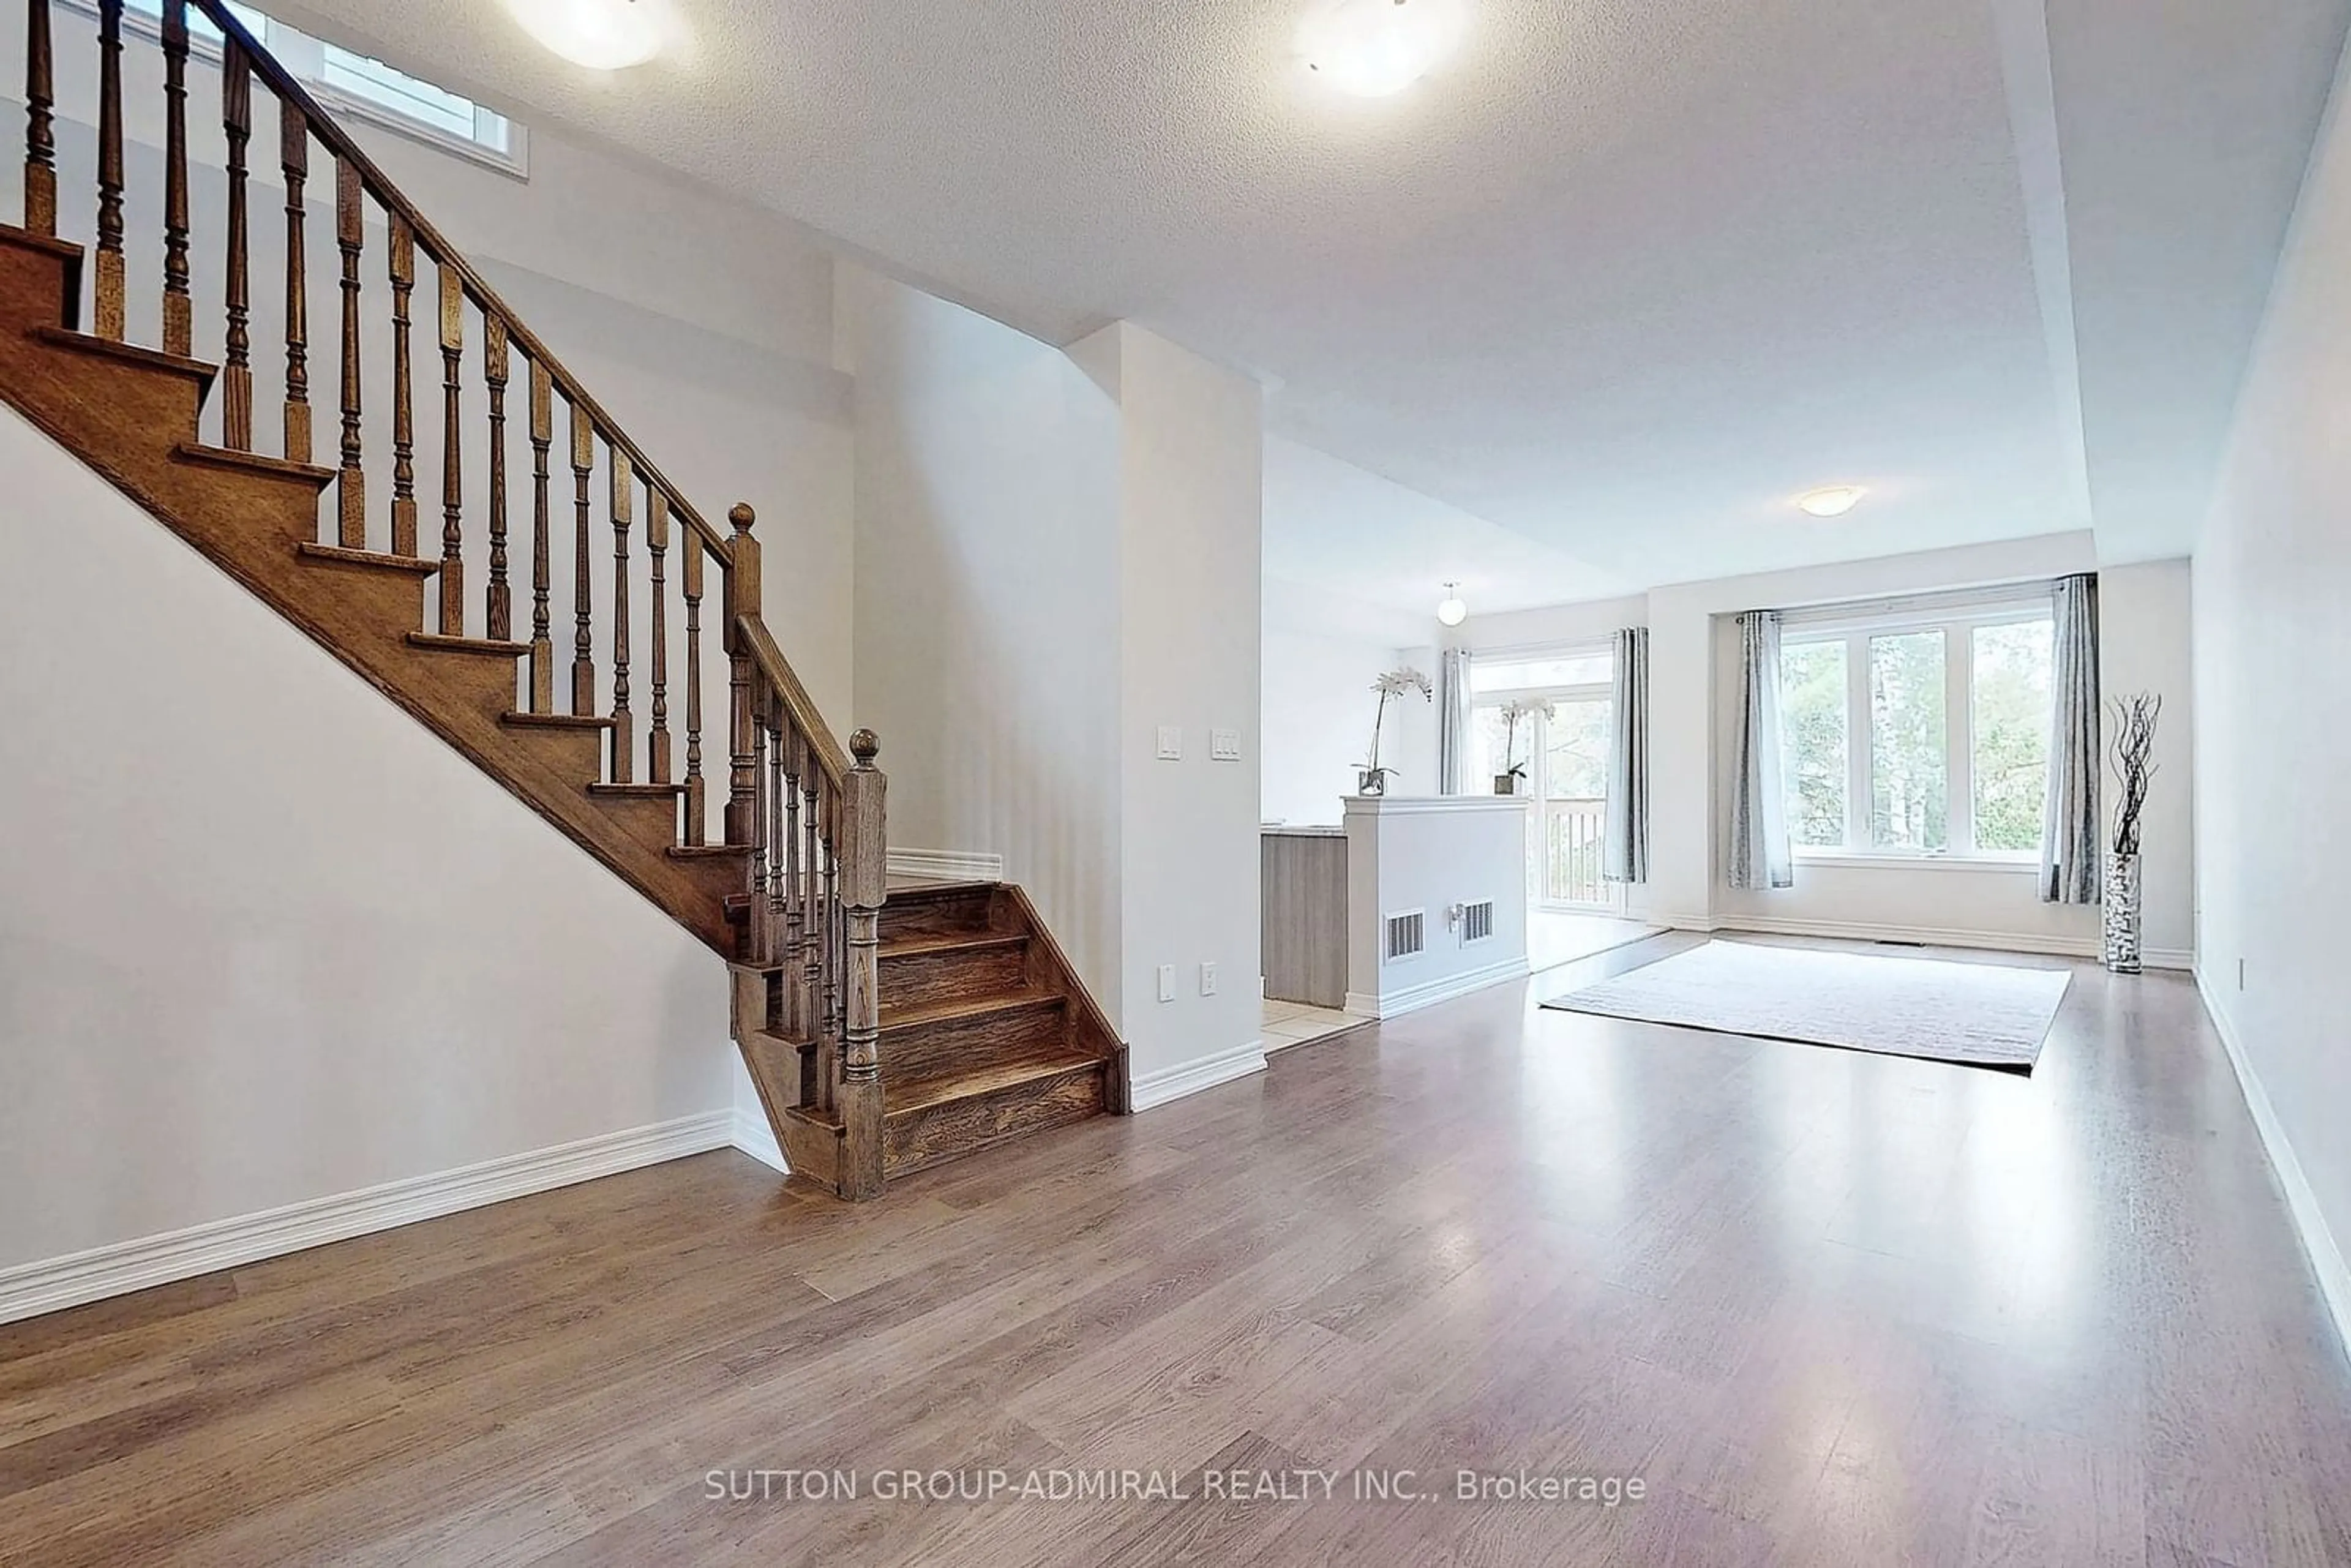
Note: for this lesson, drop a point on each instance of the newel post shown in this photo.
(742, 598)
(864, 884)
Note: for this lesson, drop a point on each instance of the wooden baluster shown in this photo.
(863, 885)
(236, 364)
(775, 840)
(796, 762)
(697, 825)
(542, 442)
(625, 732)
(110, 170)
(583, 633)
(657, 545)
(179, 310)
(762, 931)
(742, 598)
(809, 977)
(401, 272)
(351, 236)
(40, 122)
(453, 450)
(294, 161)
(830, 968)
(496, 370)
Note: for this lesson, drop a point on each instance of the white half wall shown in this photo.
(264, 939)
(2272, 720)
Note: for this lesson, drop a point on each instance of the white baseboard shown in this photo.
(944, 865)
(30, 1290)
(2302, 1203)
(1158, 1088)
(753, 1137)
(1940, 936)
(1412, 999)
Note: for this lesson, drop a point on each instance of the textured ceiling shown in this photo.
(1618, 281)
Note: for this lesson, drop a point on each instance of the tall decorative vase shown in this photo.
(2121, 901)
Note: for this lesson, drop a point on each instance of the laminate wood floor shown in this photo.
(1829, 1308)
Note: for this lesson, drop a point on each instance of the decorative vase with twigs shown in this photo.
(2131, 753)
(1524, 710)
(1371, 779)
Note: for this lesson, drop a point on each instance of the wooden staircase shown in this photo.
(887, 1030)
(984, 1034)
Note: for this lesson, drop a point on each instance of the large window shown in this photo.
(1918, 735)
(342, 79)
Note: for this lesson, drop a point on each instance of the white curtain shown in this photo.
(1760, 853)
(1625, 835)
(1453, 722)
(2069, 814)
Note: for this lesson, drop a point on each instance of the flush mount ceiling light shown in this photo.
(1374, 48)
(1451, 611)
(603, 34)
(1832, 501)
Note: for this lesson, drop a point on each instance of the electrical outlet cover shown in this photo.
(1170, 743)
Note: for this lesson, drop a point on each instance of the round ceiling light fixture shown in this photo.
(1374, 48)
(1451, 611)
(1830, 501)
(603, 34)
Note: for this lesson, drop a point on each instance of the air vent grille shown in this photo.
(1477, 921)
(1406, 933)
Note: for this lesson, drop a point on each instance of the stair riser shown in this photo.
(932, 1048)
(913, 1140)
(812, 1148)
(35, 286)
(918, 979)
(910, 914)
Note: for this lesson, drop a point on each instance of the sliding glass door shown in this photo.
(1560, 745)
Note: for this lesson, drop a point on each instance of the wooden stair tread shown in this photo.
(484, 647)
(554, 720)
(927, 1093)
(252, 462)
(25, 239)
(638, 791)
(706, 852)
(963, 1009)
(338, 555)
(128, 353)
(928, 942)
(918, 892)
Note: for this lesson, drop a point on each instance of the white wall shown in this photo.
(1190, 542)
(1058, 554)
(2273, 741)
(263, 938)
(988, 599)
(1323, 652)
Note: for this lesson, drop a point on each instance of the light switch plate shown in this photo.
(1225, 745)
(1170, 743)
(1166, 982)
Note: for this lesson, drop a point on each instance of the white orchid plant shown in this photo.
(1394, 684)
(1512, 714)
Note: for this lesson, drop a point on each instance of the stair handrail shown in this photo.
(322, 125)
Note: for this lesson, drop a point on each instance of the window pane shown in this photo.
(1575, 752)
(420, 101)
(1813, 726)
(2011, 699)
(1524, 675)
(1486, 732)
(1909, 774)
